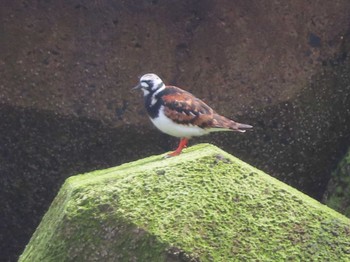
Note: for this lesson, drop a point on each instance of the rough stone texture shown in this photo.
(199, 206)
(66, 68)
(337, 195)
(81, 57)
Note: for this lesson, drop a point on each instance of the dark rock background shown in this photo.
(67, 67)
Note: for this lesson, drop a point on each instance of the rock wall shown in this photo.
(82, 58)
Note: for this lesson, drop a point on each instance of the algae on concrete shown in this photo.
(337, 195)
(204, 205)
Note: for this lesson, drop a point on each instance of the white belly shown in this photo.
(169, 127)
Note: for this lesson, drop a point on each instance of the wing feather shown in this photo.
(184, 108)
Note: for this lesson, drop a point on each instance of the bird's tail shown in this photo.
(223, 122)
(240, 127)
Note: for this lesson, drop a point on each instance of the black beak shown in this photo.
(136, 87)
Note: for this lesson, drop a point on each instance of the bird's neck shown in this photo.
(153, 101)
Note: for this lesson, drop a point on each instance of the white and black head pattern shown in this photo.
(153, 88)
(150, 83)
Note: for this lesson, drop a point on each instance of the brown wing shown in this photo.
(184, 108)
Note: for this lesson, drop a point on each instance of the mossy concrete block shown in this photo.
(204, 205)
(337, 195)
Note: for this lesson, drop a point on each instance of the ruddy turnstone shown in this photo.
(178, 113)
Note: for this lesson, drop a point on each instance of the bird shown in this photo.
(178, 113)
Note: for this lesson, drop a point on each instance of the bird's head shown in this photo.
(149, 83)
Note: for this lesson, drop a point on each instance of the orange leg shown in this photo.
(182, 144)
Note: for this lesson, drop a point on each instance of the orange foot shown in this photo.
(182, 145)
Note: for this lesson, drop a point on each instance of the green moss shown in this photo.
(338, 190)
(203, 205)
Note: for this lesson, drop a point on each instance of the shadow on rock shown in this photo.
(39, 150)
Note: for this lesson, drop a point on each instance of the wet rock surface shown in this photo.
(67, 68)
